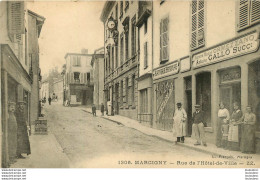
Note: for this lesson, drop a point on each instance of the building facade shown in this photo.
(97, 63)
(205, 58)
(121, 57)
(58, 90)
(44, 91)
(144, 81)
(20, 74)
(79, 79)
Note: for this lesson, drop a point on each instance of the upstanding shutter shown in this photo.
(243, 13)
(164, 39)
(81, 78)
(161, 24)
(200, 34)
(255, 11)
(194, 24)
(16, 17)
(71, 78)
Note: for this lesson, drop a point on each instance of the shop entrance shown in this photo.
(254, 90)
(230, 87)
(188, 94)
(203, 94)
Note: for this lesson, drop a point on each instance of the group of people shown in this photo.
(235, 132)
(18, 128)
(102, 109)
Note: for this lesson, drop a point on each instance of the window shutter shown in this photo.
(255, 11)
(91, 75)
(243, 13)
(145, 55)
(85, 78)
(161, 24)
(16, 17)
(164, 39)
(197, 24)
(81, 78)
(71, 78)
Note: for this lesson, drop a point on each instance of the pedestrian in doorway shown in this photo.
(23, 143)
(248, 131)
(234, 133)
(49, 99)
(94, 110)
(179, 123)
(223, 118)
(102, 109)
(12, 132)
(198, 126)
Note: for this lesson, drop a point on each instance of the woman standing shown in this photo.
(223, 117)
(248, 131)
(234, 133)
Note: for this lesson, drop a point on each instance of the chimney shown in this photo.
(84, 51)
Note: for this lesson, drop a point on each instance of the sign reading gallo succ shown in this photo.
(237, 47)
(167, 70)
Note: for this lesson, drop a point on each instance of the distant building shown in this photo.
(79, 79)
(44, 92)
(58, 90)
(97, 64)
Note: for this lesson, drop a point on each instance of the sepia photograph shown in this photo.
(130, 84)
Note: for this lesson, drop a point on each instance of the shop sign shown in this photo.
(239, 46)
(185, 64)
(167, 70)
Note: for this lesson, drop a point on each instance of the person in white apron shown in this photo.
(179, 123)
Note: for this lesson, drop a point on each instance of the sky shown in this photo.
(69, 27)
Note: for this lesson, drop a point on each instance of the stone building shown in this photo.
(97, 63)
(79, 79)
(19, 57)
(121, 57)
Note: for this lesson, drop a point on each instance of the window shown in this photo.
(126, 45)
(76, 61)
(133, 36)
(121, 9)
(126, 91)
(144, 101)
(145, 55)
(116, 12)
(145, 26)
(133, 91)
(121, 49)
(88, 77)
(164, 40)
(197, 25)
(249, 13)
(126, 5)
(76, 76)
(121, 93)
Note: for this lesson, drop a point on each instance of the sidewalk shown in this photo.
(167, 136)
(45, 153)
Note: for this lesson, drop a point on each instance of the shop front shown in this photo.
(15, 87)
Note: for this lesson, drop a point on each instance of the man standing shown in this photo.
(179, 123)
(23, 143)
(198, 126)
(49, 99)
(102, 109)
(94, 110)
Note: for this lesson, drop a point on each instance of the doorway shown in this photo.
(188, 94)
(203, 94)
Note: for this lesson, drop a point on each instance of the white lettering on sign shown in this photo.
(166, 70)
(237, 47)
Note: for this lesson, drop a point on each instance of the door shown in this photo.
(189, 111)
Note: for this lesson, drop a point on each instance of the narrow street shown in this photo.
(93, 141)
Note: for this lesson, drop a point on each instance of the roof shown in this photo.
(78, 54)
(39, 20)
(106, 10)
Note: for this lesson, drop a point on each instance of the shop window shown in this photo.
(249, 13)
(76, 77)
(164, 40)
(254, 90)
(145, 55)
(197, 25)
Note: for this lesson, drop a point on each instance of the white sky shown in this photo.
(69, 27)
